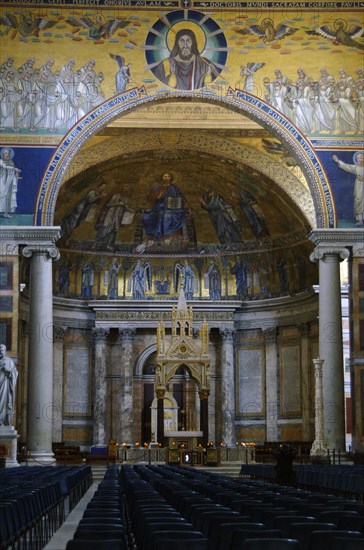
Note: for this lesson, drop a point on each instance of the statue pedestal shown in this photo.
(8, 445)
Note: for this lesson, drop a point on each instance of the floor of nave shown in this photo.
(69, 526)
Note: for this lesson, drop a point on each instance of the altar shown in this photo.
(185, 447)
(183, 439)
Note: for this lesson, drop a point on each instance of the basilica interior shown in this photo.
(158, 202)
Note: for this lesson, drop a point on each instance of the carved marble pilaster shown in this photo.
(126, 398)
(305, 373)
(319, 447)
(228, 388)
(100, 338)
(58, 337)
(271, 376)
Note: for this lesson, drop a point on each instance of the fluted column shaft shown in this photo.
(228, 388)
(330, 342)
(40, 376)
(100, 336)
(126, 405)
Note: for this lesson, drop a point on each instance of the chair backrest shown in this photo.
(153, 531)
(106, 534)
(101, 521)
(351, 523)
(183, 540)
(217, 538)
(91, 544)
(270, 544)
(347, 543)
(182, 544)
(284, 522)
(208, 518)
(334, 516)
(322, 539)
(116, 527)
(302, 531)
(238, 537)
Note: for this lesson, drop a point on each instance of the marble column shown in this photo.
(126, 405)
(204, 416)
(40, 371)
(160, 416)
(271, 382)
(227, 388)
(330, 342)
(100, 337)
(58, 337)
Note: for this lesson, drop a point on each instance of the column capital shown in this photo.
(100, 334)
(160, 393)
(204, 393)
(270, 335)
(323, 250)
(11, 237)
(304, 329)
(127, 334)
(33, 249)
(59, 333)
(318, 362)
(338, 239)
(228, 335)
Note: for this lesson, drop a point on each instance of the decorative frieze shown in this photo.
(157, 315)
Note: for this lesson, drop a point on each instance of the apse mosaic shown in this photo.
(167, 225)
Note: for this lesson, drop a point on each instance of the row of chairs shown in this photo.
(103, 525)
(156, 524)
(345, 480)
(33, 502)
(184, 507)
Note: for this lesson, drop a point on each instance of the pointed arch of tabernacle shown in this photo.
(248, 105)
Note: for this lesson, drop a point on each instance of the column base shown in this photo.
(40, 458)
(319, 453)
(8, 446)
